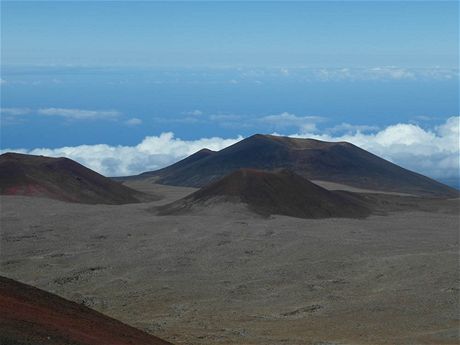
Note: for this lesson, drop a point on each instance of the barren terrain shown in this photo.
(227, 276)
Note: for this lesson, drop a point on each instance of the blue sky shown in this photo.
(359, 34)
(118, 73)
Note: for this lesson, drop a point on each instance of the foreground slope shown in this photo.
(266, 193)
(338, 162)
(62, 179)
(30, 316)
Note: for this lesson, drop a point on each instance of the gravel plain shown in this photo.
(223, 275)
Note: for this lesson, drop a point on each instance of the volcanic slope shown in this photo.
(266, 193)
(62, 179)
(181, 165)
(338, 162)
(30, 316)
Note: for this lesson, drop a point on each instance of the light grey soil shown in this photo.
(337, 186)
(228, 277)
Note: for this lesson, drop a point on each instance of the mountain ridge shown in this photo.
(339, 162)
(61, 179)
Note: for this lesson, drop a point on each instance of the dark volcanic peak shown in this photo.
(281, 192)
(338, 162)
(299, 143)
(30, 316)
(176, 167)
(62, 179)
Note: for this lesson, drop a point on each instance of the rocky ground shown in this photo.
(226, 276)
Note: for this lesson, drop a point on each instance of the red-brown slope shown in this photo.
(30, 316)
(282, 192)
(62, 179)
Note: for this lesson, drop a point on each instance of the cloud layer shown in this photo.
(433, 152)
(286, 120)
(67, 113)
(152, 153)
(236, 75)
(79, 114)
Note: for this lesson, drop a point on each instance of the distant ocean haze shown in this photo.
(204, 102)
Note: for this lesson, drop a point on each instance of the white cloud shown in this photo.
(184, 120)
(195, 112)
(14, 111)
(434, 152)
(331, 74)
(133, 121)
(284, 71)
(79, 114)
(382, 73)
(390, 72)
(438, 73)
(349, 128)
(233, 121)
(286, 120)
(152, 153)
(13, 116)
(224, 117)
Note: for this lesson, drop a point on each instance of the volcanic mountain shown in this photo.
(30, 316)
(281, 192)
(338, 162)
(62, 179)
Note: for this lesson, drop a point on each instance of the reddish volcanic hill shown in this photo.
(266, 193)
(30, 316)
(62, 179)
(338, 162)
